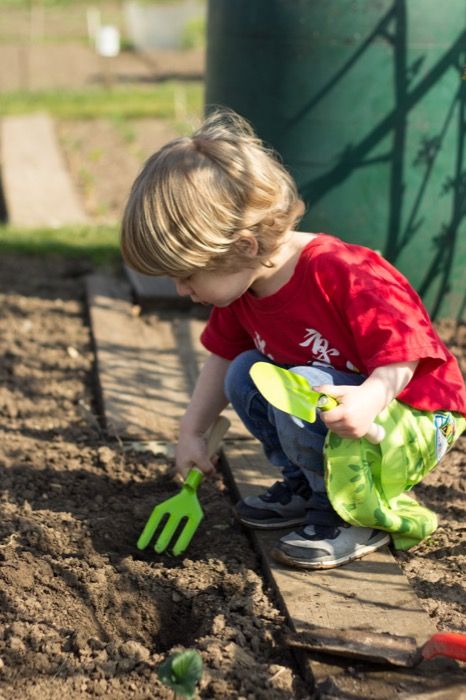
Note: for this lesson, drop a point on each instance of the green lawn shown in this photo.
(98, 243)
(160, 101)
(26, 4)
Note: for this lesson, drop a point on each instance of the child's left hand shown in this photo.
(358, 406)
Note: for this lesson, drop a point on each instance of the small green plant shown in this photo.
(125, 129)
(96, 155)
(194, 34)
(181, 672)
(86, 179)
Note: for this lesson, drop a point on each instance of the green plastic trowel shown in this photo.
(184, 506)
(292, 394)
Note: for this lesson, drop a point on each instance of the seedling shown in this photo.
(181, 672)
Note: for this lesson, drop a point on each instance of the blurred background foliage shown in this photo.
(119, 95)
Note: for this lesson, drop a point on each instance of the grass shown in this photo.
(118, 102)
(100, 244)
(26, 4)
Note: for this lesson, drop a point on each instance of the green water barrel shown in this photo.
(365, 100)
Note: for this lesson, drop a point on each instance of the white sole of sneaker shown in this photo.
(284, 558)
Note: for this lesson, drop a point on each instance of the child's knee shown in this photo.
(314, 375)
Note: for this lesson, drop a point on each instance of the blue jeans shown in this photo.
(296, 449)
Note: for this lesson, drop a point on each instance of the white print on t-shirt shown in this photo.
(260, 345)
(319, 345)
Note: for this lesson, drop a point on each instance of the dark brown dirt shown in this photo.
(83, 614)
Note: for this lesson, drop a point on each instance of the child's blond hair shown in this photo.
(196, 197)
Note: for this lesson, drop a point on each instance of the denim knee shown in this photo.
(317, 374)
(237, 378)
(314, 375)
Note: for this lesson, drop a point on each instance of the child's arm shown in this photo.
(207, 402)
(359, 405)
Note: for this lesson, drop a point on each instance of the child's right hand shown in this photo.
(191, 451)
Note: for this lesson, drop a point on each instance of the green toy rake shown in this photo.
(184, 507)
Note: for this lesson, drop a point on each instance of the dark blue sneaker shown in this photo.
(283, 505)
(327, 546)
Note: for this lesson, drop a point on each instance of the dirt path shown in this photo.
(42, 67)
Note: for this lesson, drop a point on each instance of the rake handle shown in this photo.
(216, 433)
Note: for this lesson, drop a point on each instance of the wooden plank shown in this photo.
(371, 593)
(192, 354)
(37, 186)
(142, 386)
(146, 371)
(149, 288)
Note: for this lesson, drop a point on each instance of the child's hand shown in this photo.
(358, 406)
(191, 451)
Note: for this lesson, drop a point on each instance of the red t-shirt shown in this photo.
(346, 306)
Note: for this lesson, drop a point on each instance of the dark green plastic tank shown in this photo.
(365, 100)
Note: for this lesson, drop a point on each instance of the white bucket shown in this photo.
(160, 26)
(108, 41)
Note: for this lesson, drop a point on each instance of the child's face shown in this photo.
(217, 288)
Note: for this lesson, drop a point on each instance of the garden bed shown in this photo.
(83, 614)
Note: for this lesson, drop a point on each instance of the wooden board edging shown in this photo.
(146, 372)
(370, 593)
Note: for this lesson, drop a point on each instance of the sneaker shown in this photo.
(326, 547)
(283, 505)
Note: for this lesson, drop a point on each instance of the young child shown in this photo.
(217, 213)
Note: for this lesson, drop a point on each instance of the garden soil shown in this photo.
(83, 614)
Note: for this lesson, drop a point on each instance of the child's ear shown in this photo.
(246, 244)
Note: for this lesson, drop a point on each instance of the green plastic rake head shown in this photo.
(183, 507)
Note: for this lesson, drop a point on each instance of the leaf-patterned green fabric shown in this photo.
(366, 483)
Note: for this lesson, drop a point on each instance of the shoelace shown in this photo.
(321, 532)
(283, 491)
(280, 491)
